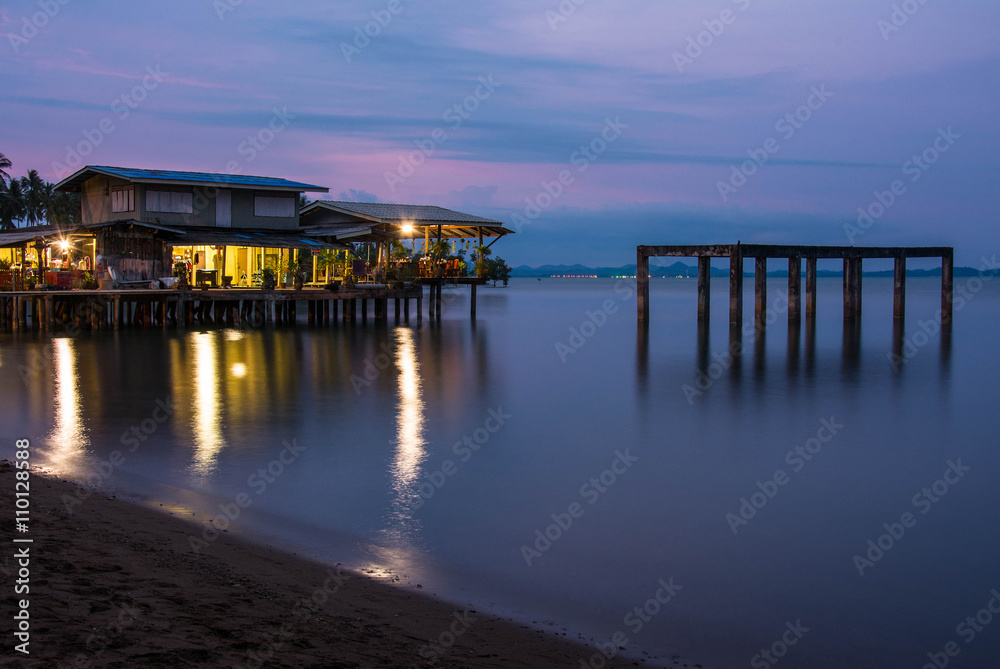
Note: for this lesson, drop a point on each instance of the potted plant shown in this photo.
(482, 265)
(295, 275)
(268, 281)
(88, 282)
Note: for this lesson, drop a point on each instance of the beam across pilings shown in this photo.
(852, 257)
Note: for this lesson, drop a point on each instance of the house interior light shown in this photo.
(64, 245)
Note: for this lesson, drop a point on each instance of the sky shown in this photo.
(588, 126)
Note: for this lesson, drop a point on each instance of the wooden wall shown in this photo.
(135, 254)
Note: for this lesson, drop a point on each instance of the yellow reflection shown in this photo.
(239, 370)
(69, 438)
(410, 452)
(205, 405)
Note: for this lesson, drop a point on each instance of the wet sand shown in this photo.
(116, 584)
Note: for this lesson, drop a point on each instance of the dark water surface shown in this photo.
(442, 453)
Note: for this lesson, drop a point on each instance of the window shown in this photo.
(171, 202)
(274, 207)
(123, 199)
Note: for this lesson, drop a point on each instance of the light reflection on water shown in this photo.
(69, 439)
(206, 421)
(409, 447)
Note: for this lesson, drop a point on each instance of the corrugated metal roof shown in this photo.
(385, 212)
(49, 232)
(283, 240)
(74, 181)
(188, 236)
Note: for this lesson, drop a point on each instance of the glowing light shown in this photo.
(239, 370)
(69, 437)
(407, 228)
(207, 413)
(410, 451)
(64, 245)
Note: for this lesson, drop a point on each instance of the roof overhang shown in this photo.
(73, 182)
(368, 227)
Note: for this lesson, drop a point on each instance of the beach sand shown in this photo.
(116, 584)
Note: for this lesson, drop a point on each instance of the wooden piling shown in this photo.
(472, 307)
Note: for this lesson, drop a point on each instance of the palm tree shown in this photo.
(61, 209)
(34, 197)
(4, 164)
(11, 204)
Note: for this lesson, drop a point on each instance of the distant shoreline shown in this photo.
(682, 270)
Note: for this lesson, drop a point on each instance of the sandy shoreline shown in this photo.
(116, 584)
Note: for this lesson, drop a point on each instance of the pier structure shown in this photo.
(46, 311)
(852, 257)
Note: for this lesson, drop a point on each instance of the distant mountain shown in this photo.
(680, 269)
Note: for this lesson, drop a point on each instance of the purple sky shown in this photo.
(355, 113)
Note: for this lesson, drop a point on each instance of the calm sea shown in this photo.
(812, 496)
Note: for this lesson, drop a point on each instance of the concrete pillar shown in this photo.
(899, 289)
(850, 292)
(642, 284)
(760, 291)
(858, 280)
(736, 287)
(947, 287)
(795, 289)
(811, 288)
(704, 287)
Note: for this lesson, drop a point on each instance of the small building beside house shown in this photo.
(416, 227)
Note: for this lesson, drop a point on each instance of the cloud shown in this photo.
(353, 195)
(473, 196)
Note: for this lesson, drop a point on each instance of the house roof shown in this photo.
(135, 175)
(418, 214)
(188, 236)
(15, 238)
(370, 221)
